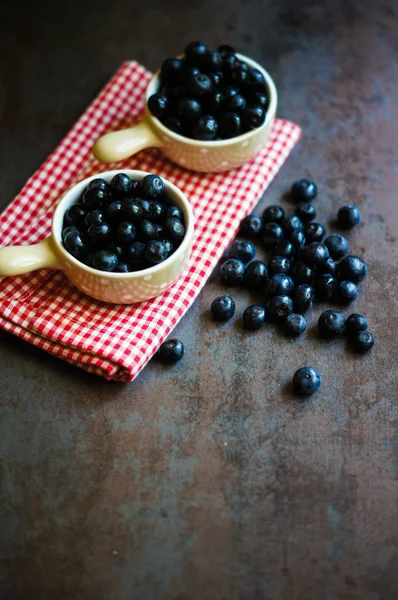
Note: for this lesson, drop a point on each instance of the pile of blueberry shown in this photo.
(123, 226)
(209, 94)
(305, 266)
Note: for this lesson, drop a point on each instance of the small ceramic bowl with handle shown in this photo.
(197, 155)
(117, 288)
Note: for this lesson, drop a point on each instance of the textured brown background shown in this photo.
(208, 480)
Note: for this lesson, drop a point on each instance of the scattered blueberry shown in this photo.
(279, 264)
(352, 268)
(256, 275)
(303, 190)
(251, 226)
(302, 297)
(337, 245)
(171, 351)
(306, 212)
(315, 254)
(331, 324)
(273, 214)
(314, 232)
(356, 323)
(280, 285)
(291, 224)
(298, 239)
(223, 308)
(279, 307)
(346, 292)
(232, 272)
(329, 266)
(306, 381)
(254, 317)
(245, 251)
(325, 287)
(272, 233)
(302, 273)
(284, 248)
(294, 325)
(362, 341)
(348, 216)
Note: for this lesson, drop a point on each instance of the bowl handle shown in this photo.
(118, 145)
(15, 260)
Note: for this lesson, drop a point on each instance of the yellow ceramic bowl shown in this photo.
(118, 288)
(192, 154)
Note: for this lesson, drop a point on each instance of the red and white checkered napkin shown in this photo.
(117, 341)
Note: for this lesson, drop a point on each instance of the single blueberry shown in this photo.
(279, 264)
(337, 245)
(251, 226)
(232, 272)
(278, 308)
(346, 292)
(104, 260)
(303, 190)
(306, 381)
(254, 317)
(363, 341)
(244, 251)
(352, 268)
(171, 351)
(325, 287)
(175, 230)
(152, 186)
(306, 212)
(348, 216)
(229, 125)
(223, 308)
(294, 325)
(303, 296)
(256, 275)
(331, 324)
(291, 224)
(284, 248)
(158, 105)
(272, 233)
(155, 252)
(280, 285)
(356, 323)
(302, 273)
(205, 129)
(314, 232)
(254, 117)
(273, 214)
(122, 183)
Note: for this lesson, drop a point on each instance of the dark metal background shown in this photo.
(208, 480)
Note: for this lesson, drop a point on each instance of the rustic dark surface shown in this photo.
(209, 480)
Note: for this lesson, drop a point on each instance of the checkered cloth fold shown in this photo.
(116, 341)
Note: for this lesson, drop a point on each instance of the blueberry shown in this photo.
(188, 73)
(254, 117)
(155, 252)
(98, 183)
(244, 251)
(256, 274)
(284, 248)
(273, 214)
(158, 104)
(302, 273)
(337, 245)
(152, 186)
(229, 125)
(122, 268)
(94, 197)
(171, 70)
(171, 351)
(291, 224)
(158, 212)
(302, 297)
(135, 252)
(200, 85)
(306, 212)
(125, 233)
(232, 271)
(104, 260)
(251, 226)
(314, 232)
(329, 266)
(146, 230)
(75, 215)
(94, 217)
(261, 99)
(352, 268)
(279, 264)
(174, 124)
(229, 91)
(298, 239)
(226, 50)
(217, 79)
(115, 249)
(303, 190)
(236, 104)
(331, 324)
(254, 317)
(315, 254)
(278, 308)
(74, 244)
(159, 231)
(223, 308)
(231, 63)
(356, 323)
(294, 325)
(122, 183)
(69, 229)
(348, 216)
(130, 209)
(205, 129)
(306, 381)
(213, 61)
(196, 53)
(325, 287)
(175, 230)
(146, 209)
(346, 292)
(188, 108)
(214, 103)
(169, 247)
(256, 79)
(174, 212)
(99, 233)
(280, 285)
(272, 233)
(239, 74)
(363, 341)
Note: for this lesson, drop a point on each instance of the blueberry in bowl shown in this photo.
(208, 113)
